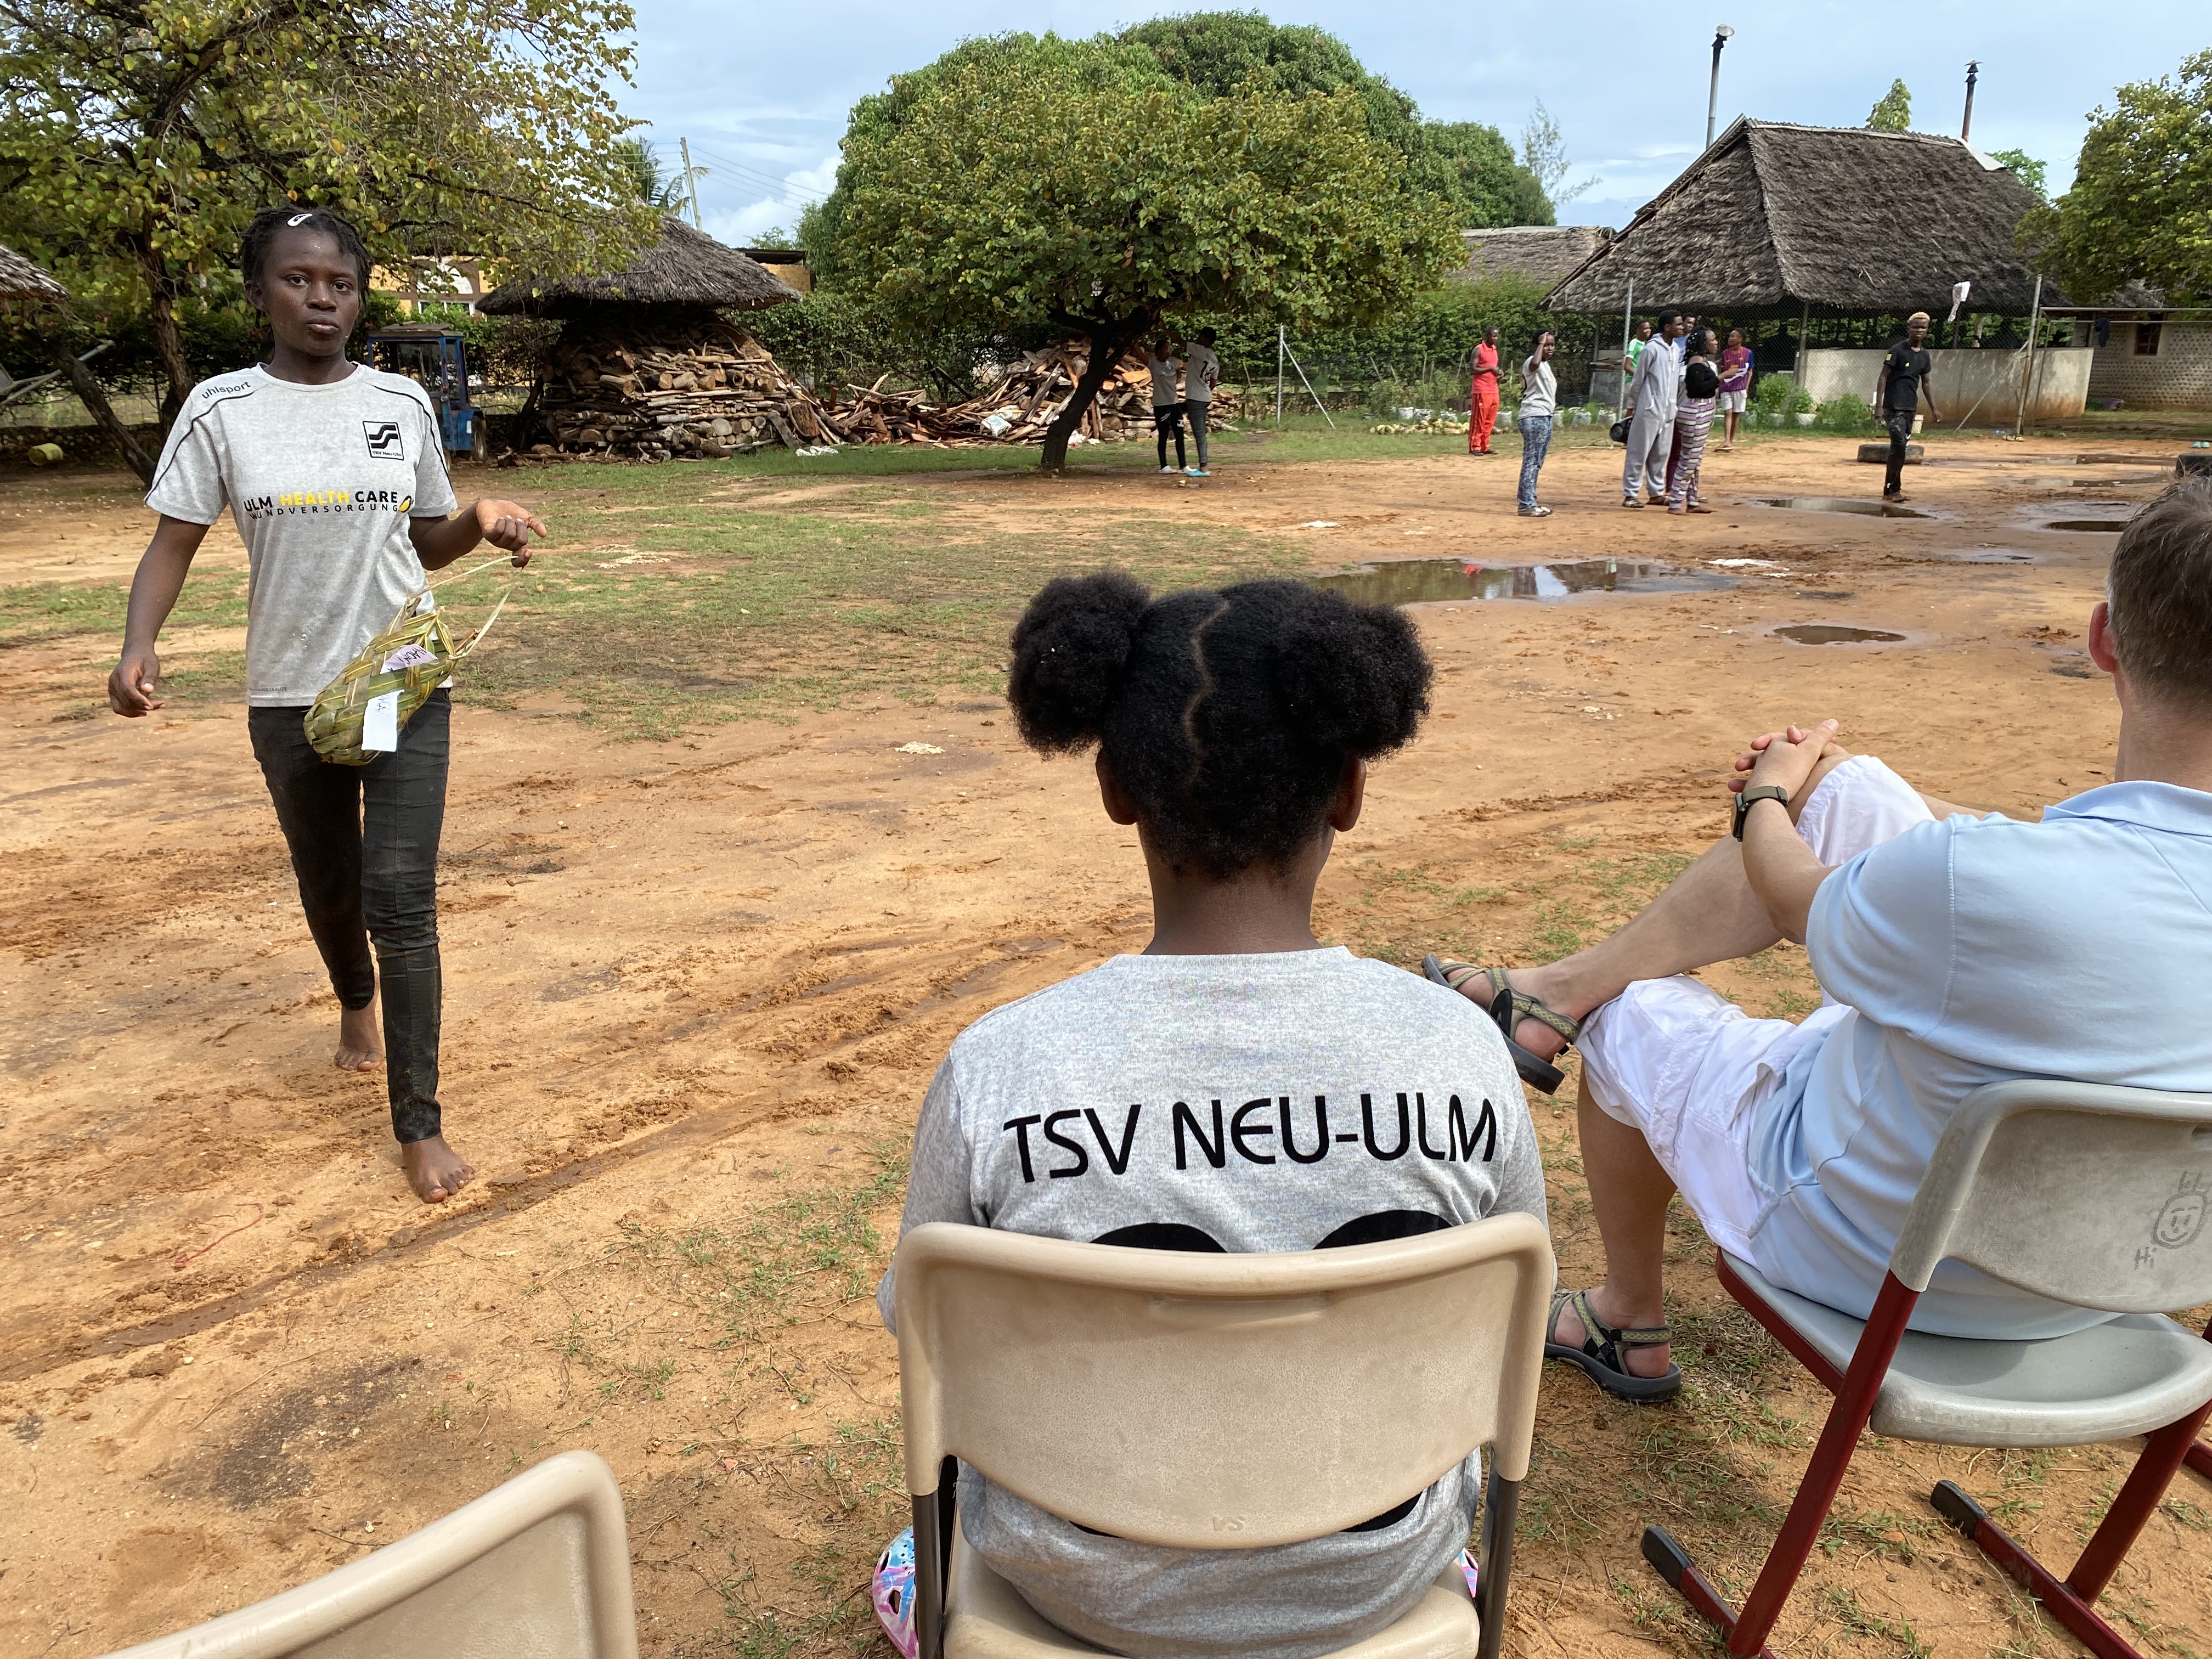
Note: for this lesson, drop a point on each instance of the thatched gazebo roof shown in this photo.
(1543, 253)
(685, 268)
(1774, 219)
(21, 280)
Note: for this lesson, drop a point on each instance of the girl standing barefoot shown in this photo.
(336, 478)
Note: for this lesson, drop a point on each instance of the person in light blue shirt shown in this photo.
(1955, 949)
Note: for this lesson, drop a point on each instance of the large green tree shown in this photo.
(1076, 183)
(2141, 206)
(1468, 163)
(137, 137)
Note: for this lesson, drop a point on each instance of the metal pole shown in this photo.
(2028, 380)
(1713, 94)
(1966, 121)
(1627, 330)
(691, 182)
(1282, 345)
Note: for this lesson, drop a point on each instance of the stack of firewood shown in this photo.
(656, 387)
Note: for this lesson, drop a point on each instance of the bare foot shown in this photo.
(435, 1169)
(359, 1047)
(1640, 1362)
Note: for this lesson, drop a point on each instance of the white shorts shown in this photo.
(1687, 1069)
(1735, 401)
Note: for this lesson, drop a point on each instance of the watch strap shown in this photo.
(1752, 795)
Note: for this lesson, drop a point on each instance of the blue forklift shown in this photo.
(437, 360)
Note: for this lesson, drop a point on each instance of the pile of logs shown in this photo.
(654, 386)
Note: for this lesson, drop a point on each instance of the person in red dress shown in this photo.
(1482, 401)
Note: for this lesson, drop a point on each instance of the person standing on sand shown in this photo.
(1482, 400)
(1905, 376)
(335, 478)
(1201, 372)
(1539, 402)
(1736, 385)
(1652, 397)
(1167, 401)
(1693, 421)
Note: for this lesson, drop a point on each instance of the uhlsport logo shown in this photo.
(384, 442)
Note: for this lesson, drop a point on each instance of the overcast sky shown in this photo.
(762, 91)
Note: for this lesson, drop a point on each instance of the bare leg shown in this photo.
(1708, 913)
(1629, 1191)
(359, 1047)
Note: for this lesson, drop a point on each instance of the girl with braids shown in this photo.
(1238, 1086)
(334, 474)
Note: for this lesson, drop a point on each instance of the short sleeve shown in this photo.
(188, 480)
(939, 1177)
(434, 487)
(1881, 929)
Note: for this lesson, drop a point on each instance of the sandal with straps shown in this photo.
(1604, 1351)
(1507, 1008)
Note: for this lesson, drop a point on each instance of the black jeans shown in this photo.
(1166, 418)
(364, 843)
(1900, 430)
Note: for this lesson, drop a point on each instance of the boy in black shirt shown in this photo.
(1905, 376)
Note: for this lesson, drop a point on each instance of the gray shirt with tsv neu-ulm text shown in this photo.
(1278, 1102)
(322, 482)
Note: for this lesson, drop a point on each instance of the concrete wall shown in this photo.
(2178, 375)
(1984, 382)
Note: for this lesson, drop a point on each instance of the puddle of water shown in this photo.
(1832, 634)
(1427, 581)
(1843, 504)
(2067, 481)
(1990, 555)
(2098, 526)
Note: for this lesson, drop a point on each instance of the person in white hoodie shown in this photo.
(1651, 399)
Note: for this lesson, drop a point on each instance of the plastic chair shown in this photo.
(2080, 1192)
(1116, 1389)
(539, 1566)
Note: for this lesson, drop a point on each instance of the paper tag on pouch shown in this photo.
(380, 724)
(408, 656)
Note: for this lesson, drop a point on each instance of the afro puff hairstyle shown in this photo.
(1226, 717)
(271, 223)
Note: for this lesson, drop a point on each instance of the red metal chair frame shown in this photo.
(2069, 1600)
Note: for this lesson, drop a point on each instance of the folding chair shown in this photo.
(1123, 1390)
(2080, 1192)
(539, 1566)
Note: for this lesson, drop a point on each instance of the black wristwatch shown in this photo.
(1757, 791)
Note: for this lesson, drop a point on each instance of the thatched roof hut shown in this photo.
(21, 280)
(685, 268)
(1776, 219)
(1542, 253)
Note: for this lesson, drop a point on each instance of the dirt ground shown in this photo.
(695, 990)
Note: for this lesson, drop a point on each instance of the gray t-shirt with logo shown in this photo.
(321, 481)
(1276, 1102)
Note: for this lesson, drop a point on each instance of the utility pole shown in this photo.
(2027, 368)
(1713, 95)
(691, 182)
(1966, 121)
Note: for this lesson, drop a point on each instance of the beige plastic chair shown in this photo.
(2080, 1192)
(536, 1569)
(1117, 1388)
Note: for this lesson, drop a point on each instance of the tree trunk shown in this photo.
(89, 393)
(1106, 343)
(168, 340)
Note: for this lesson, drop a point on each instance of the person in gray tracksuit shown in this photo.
(1651, 399)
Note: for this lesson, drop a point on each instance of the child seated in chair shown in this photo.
(1238, 1086)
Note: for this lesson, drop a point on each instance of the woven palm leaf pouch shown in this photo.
(360, 714)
